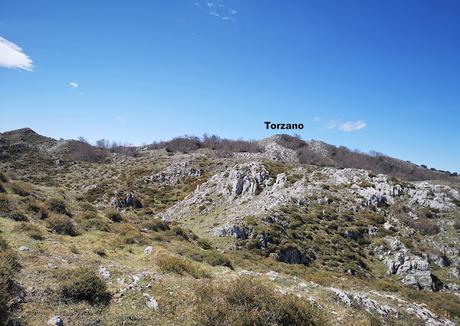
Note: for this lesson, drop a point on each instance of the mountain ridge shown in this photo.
(309, 152)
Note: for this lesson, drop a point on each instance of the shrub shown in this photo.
(457, 225)
(215, 258)
(129, 234)
(155, 225)
(95, 224)
(172, 264)
(424, 225)
(3, 177)
(21, 188)
(88, 207)
(85, 285)
(203, 243)
(57, 205)
(114, 215)
(33, 231)
(6, 204)
(62, 225)
(247, 302)
(2, 188)
(211, 257)
(456, 202)
(80, 151)
(9, 266)
(18, 216)
(39, 210)
(429, 212)
(179, 232)
(91, 221)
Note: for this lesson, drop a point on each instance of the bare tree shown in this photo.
(103, 143)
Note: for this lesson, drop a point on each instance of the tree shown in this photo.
(103, 143)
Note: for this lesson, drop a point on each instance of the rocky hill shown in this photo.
(212, 231)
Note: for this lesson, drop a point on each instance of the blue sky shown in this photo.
(372, 75)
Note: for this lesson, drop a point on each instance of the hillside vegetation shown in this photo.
(210, 231)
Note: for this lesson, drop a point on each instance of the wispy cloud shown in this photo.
(332, 124)
(218, 8)
(347, 126)
(316, 119)
(11, 56)
(120, 119)
(350, 126)
(73, 84)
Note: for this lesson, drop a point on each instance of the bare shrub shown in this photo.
(81, 151)
(424, 225)
(189, 143)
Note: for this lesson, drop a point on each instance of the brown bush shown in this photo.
(62, 225)
(424, 225)
(81, 151)
(58, 205)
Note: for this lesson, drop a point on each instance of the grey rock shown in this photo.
(148, 250)
(23, 248)
(103, 272)
(122, 201)
(423, 280)
(454, 272)
(152, 303)
(229, 230)
(55, 321)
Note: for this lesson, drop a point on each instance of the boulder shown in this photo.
(122, 201)
(439, 197)
(423, 280)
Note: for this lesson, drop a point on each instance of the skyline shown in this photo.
(366, 75)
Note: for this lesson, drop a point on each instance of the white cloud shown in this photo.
(11, 56)
(347, 126)
(217, 8)
(123, 120)
(73, 84)
(316, 119)
(350, 126)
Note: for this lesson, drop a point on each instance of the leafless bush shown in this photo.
(103, 143)
(190, 143)
(80, 151)
(292, 142)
